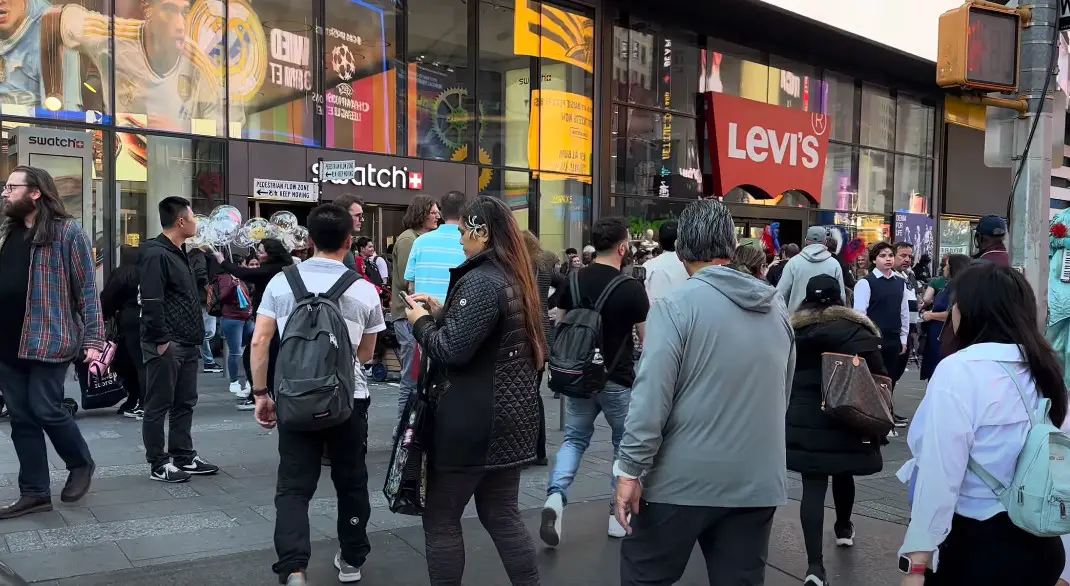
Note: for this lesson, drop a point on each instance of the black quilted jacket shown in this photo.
(486, 410)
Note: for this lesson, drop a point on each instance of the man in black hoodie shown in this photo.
(172, 331)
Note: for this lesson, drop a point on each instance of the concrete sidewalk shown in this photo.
(128, 521)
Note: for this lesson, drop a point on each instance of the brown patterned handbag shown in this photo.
(853, 396)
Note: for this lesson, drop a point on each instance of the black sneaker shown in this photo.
(845, 534)
(899, 420)
(213, 368)
(200, 467)
(169, 473)
(138, 413)
(247, 404)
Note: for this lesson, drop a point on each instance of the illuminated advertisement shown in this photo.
(559, 135)
(552, 33)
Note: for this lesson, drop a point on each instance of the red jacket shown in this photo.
(997, 254)
(228, 295)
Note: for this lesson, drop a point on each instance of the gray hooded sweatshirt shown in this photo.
(706, 422)
(811, 261)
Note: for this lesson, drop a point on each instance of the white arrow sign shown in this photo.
(339, 170)
(299, 191)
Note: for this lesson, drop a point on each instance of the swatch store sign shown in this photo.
(766, 149)
(369, 175)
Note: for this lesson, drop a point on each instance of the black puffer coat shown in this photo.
(816, 443)
(486, 409)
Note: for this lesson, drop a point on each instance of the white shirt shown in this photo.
(862, 293)
(971, 408)
(360, 305)
(664, 273)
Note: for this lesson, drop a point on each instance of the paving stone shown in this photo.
(126, 512)
(46, 520)
(23, 541)
(134, 529)
(236, 537)
(37, 566)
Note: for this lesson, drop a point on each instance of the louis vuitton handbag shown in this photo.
(853, 396)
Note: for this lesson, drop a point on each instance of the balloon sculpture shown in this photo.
(224, 227)
(1058, 330)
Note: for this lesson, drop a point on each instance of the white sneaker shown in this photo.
(615, 528)
(346, 572)
(235, 388)
(247, 389)
(552, 511)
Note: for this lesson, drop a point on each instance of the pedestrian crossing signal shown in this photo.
(979, 47)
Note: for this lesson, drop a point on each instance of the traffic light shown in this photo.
(978, 49)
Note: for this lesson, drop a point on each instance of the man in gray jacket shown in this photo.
(814, 259)
(705, 431)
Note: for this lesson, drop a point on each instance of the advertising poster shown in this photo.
(551, 33)
(559, 133)
(916, 229)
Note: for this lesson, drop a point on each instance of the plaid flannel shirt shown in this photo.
(62, 307)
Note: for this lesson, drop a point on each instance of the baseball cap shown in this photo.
(991, 226)
(823, 289)
(817, 234)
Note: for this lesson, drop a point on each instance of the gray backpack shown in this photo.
(314, 373)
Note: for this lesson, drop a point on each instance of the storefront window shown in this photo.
(660, 155)
(913, 182)
(838, 190)
(359, 75)
(504, 88)
(564, 213)
(55, 60)
(440, 110)
(956, 235)
(793, 85)
(662, 70)
(878, 117)
(512, 187)
(149, 168)
(875, 171)
(913, 127)
(870, 228)
(272, 58)
(642, 214)
(839, 104)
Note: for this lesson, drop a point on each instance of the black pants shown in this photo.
(812, 510)
(735, 543)
(299, 473)
(170, 394)
(496, 493)
(890, 354)
(994, 553)
(273, 354)
(540, 444)
(130, 365)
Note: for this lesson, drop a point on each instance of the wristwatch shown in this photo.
(260, 392)
(910, 567)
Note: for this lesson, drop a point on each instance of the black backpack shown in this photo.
(577, 366)
(371, 270)
(315, 368)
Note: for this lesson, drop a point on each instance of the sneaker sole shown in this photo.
(199, 472)
(246, 407)
(129, 415)
(346, 578)
(169, 480)
(547, 530)
(38, 509)
(845, 542)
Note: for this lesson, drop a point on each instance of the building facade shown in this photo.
(567, 110)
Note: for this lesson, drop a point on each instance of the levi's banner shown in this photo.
(766, 149)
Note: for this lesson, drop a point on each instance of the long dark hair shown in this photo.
(1002, 308)
(50, 209)
(276, 252)
(507, 241)
(956, 265)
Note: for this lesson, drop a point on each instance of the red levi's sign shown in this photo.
(768, 149)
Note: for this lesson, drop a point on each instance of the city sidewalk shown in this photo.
(130, 528)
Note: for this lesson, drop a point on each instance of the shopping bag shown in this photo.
(405, 488)
(100, 389)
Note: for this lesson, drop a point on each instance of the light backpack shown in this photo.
(577, 359)
(315, 370)
(1038, 497)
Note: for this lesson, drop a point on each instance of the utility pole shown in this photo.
(1029, 217)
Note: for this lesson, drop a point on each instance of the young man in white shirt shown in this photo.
(665, 272)
(329, 228)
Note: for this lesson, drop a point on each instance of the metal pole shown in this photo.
(1029, 217)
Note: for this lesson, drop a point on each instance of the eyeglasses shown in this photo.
(360, 215)
(11, 186)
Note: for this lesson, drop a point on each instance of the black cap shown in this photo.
(991, 226)
(823, 289)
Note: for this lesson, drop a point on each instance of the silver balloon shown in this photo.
(201, 237)
(286, 221)
(299, 236)
(223, 225)
(226, 211)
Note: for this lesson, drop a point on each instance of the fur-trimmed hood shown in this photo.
(809, 317)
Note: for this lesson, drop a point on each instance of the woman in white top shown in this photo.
(972, 407)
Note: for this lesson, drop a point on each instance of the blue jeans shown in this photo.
(580, 415)
(33, 392)
(236, 332)
(406, 353)
(209, 333)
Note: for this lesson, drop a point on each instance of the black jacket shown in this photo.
(171, 310)
(119, 297)
(258, 277)
(816, 443)
(486, 408)
(205, 270)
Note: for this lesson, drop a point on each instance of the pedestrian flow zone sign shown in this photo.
(298, 191)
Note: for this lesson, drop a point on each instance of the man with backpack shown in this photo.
(591, 361)
(328, 318)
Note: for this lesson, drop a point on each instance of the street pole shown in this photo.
(1029, 217)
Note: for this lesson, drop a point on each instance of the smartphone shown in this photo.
(405, 298)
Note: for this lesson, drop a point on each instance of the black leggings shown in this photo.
(273, 355)
(496, 494)
(812, 509)
(995, 552)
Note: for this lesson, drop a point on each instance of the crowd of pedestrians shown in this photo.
(483, 316)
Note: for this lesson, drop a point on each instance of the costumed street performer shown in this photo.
(1058, 330)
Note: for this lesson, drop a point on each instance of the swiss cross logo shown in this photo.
(416, 180)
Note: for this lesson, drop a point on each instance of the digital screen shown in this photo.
(992, 48)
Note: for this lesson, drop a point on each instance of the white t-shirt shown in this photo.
(360, 305)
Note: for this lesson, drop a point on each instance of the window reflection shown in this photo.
(440, 113)
(875, 189)
(878, 117)
(564, 213)
(839, 104)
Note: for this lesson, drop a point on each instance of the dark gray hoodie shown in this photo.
(706, 422)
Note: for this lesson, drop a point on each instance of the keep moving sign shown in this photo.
(296, 191)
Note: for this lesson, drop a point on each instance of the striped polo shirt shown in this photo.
(433, 255)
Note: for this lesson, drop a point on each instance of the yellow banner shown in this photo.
(553, 33)
(559, 133)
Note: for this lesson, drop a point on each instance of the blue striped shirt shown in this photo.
(433, 255)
